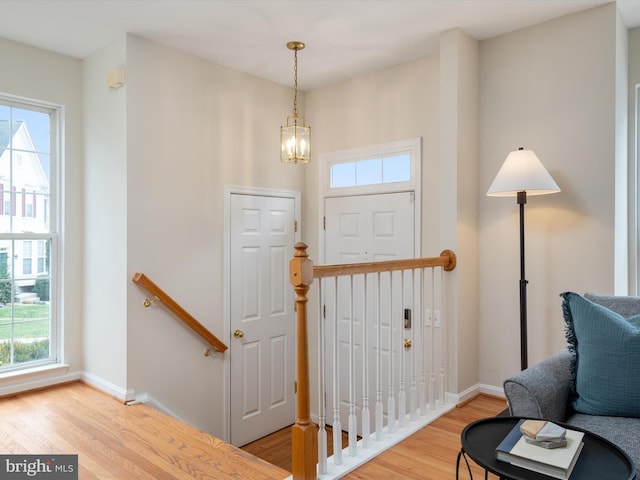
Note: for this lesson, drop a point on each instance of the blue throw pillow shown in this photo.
(606, 363)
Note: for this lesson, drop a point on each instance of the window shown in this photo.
(28, 232)
(372, 171)
(388, 167)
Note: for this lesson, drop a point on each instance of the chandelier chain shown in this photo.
(295, 83)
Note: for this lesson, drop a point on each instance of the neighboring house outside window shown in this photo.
(27, 235)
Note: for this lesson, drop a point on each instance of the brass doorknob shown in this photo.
(238, 334)
(407, 343)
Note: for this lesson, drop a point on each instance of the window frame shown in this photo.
(634, 203)
(412, 146)
(53, 216)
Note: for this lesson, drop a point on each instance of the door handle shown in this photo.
(238, 333)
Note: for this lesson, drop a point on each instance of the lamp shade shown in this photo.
(522, 171)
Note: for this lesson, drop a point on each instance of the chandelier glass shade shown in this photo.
(295, 136)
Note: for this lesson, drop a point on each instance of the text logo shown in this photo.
(51, 467)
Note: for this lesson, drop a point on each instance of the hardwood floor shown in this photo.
(276, 448)
(115, 441)
(429, 454)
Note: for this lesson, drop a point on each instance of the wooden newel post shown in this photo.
(304, 450)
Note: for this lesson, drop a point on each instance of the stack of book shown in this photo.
(552, 456)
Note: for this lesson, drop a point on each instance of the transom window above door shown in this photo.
(391, 169)
(391, 166)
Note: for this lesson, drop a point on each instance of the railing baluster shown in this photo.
(379, 407)
(443, 325)
(402, 395)
(322, 404)
(432, 384)
(423, 342)
(366, 415)
(353, 421)
(416, 346)
(391, 400)
(337, 426)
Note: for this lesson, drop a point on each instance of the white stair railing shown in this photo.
(381, 353)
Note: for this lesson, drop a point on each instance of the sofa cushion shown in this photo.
(625, 306)
(606, 361)
(622, 431)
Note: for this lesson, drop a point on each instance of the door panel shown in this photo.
(262, 352)
(369, 227)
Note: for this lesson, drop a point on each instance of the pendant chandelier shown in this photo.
(295, 136)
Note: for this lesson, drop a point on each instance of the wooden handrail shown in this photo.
(142, 280)
(447, 260)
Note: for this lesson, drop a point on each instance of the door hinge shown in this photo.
(295, 226)
(295, 387)
(324, 223)
(324, 311)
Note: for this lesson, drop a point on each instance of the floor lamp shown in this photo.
(522, 174)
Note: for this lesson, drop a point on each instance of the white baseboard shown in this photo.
(153, 402)
(475, 390)
(108, 387)
(492, 390)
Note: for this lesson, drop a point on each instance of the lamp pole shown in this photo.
(522, 172)
(522, 200)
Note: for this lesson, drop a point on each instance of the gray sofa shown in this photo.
(545, 391)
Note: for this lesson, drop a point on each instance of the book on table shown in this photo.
(555, 462)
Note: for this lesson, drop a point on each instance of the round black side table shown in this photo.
(600, 459)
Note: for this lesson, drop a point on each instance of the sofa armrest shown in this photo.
(542, 390)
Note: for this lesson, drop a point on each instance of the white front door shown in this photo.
(361, 229)
(261, 316)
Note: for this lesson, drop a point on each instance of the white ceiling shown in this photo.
(343, 37)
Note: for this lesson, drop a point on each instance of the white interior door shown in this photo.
(361, 229)
(262, 318)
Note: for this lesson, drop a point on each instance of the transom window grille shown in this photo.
(28, 233)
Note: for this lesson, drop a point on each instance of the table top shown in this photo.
(598, 460)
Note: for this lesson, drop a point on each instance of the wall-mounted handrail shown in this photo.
(142, 280)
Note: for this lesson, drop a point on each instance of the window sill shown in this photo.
(35, 377)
